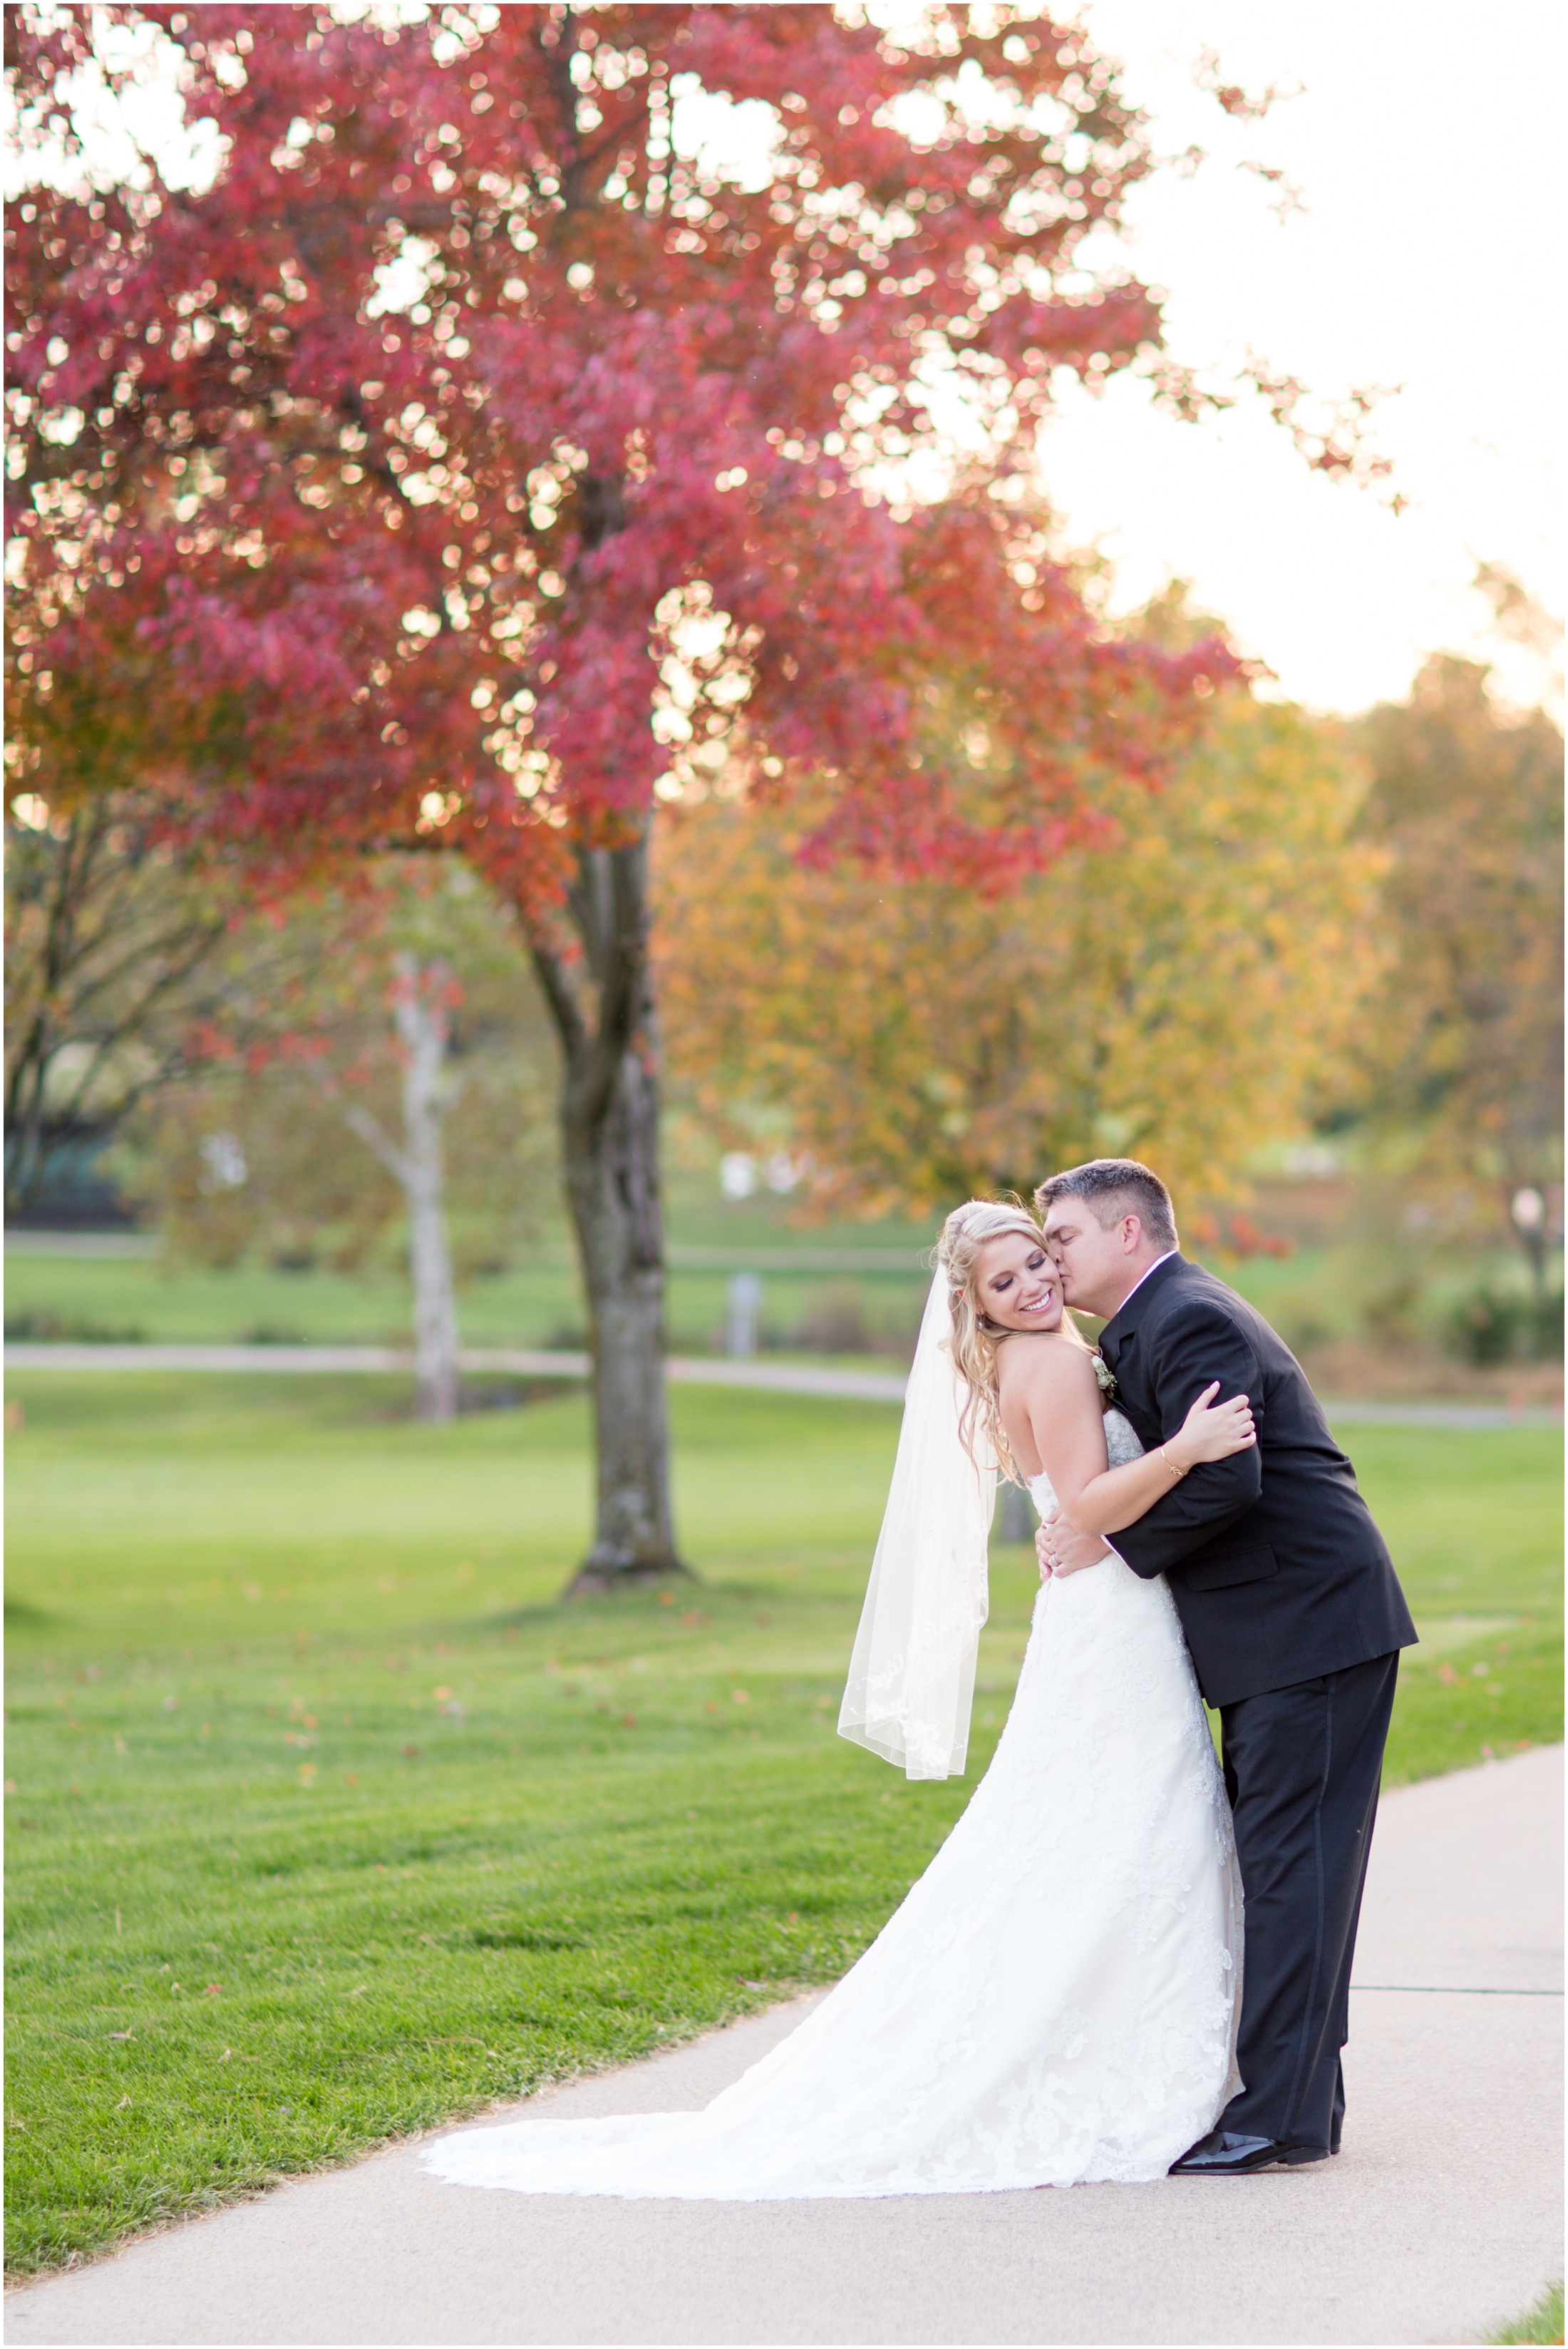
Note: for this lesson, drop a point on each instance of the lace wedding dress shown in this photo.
(1054, 2003)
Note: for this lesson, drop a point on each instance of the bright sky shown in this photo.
(1424, 146)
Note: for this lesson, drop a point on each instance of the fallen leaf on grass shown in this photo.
(122, 2103)
(214, 1990)
(225, 2055)
(122, 2034)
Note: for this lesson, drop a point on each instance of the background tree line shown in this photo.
(1347, 930)
(1351, 929)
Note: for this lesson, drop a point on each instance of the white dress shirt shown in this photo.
(1146, 1276)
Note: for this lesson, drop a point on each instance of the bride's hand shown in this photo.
(1212, 1431)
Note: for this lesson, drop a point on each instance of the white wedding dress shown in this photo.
(1054, 2003)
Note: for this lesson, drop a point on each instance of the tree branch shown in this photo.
(373, 1134)
(550, 969)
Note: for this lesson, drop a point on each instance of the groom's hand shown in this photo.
(1062, 1549)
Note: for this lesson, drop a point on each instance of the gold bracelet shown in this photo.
(1177, 1473)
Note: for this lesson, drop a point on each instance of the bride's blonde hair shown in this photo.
(976, 1337)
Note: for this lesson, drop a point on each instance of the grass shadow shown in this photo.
(21, 1615)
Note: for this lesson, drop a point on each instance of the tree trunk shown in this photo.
(419, 1003)
(420, 1010)
(604, 1010)
(33, 1039)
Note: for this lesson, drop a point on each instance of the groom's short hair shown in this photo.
(1113, 1187)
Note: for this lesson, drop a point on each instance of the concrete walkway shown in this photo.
(693, 1370)
(1442, 2217)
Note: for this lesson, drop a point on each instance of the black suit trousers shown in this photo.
(1302, 1769)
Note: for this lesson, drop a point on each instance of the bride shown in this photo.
(1055, 2000)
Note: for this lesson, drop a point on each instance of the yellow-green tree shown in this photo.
(1174, 990)
(1459, 1066)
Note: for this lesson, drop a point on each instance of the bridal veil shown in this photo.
(912, 1675)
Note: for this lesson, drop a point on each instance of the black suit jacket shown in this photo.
(1277, 1571)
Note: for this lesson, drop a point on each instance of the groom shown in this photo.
(1295, 1619)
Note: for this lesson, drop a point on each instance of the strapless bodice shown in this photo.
(1122, 1446)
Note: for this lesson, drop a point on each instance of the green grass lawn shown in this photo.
(327, 1821)
(537, 1301)
(127, 1299)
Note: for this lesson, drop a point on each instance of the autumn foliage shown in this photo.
(1463, 1060)
(1174, 992)
(386, 469)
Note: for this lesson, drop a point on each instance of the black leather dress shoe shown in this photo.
(1223, 2154)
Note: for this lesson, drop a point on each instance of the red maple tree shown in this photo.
(479, 454)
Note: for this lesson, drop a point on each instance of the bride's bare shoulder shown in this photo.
(1040, 1362)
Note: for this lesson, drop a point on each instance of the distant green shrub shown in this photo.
(1547, 1325)
(37, 1325)
(1498, 1325)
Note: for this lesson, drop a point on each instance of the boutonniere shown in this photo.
(1105, 1377)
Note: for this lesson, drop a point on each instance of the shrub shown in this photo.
(1498, 1325)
